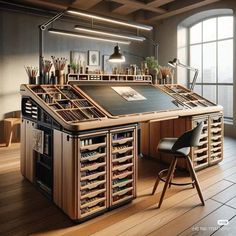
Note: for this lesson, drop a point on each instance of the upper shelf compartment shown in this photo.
(67, 102)
(109, 78)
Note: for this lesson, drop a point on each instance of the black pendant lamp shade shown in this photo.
(117, 55)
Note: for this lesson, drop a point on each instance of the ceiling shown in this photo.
(143, 11)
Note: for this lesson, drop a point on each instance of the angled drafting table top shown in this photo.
(156, 100)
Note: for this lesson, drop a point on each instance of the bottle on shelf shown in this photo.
(52, 78)
(68, 73)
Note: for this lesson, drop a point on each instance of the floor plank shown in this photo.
(231, 203)
(231, 178)
(226, 195)
(179, 224)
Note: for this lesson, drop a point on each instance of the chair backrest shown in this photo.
(189, 139)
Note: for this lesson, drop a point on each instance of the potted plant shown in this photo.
(74, 67)
(153, 67)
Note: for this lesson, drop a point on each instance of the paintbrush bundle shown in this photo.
(32, 73)
(46, 65)
(59, 63)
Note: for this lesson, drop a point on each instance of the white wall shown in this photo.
(167, 38)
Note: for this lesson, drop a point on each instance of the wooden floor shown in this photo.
(25, 211)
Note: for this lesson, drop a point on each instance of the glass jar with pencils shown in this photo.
(46, 67)
(32, 74)
(59, 65)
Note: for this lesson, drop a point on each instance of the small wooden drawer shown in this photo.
(123, 159)
(122, 182)
(202, 158)
(93, 175)
(123, 174)
(122, 167)
(92, 193)
(216, 143)
(122, 198)
(216, 130)
(92, 146)
(215, 158)
(122, 191)
(92, 167)
(92, 184)
(200, 150)
(92, 201)
(122, 141)
(91, 156)
(216, 137)
(200, 163)
(216, 149)
(92, 210)
(122, 150)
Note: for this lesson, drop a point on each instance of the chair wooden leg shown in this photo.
(172, 176)
(8, 125)
(191, 169)
(190, 172)
(156, 185)
(168, 178)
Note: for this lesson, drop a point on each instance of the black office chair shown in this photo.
(179, 148)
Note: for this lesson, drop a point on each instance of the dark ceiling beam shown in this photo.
(181, 10)
(85, 4)
(129, 6)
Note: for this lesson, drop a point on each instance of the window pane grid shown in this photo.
(219, 59)
(212, 41)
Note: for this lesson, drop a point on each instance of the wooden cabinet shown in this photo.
(216, 133)
(200, 155)
(81, 173)
(210, 150)
(123, 163)
(93, 182)
(94, 171)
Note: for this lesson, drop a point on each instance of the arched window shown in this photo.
(211, 51)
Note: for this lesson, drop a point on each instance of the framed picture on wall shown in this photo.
(78, 58)
(106, 65)
(93, 58)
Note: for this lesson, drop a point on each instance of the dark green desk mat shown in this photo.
(112, 102)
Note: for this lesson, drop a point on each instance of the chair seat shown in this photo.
(166, 144)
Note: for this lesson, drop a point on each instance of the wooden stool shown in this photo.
(9, 124)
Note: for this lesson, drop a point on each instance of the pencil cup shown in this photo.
(61, 77)
(46, 77)
(32, 80)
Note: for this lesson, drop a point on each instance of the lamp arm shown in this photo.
(194, 79)
(42, 28)
(192, 69)
(186, 67)
(132, 54)
(54, 18)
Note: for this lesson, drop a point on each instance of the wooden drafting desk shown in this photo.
(79, 141)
